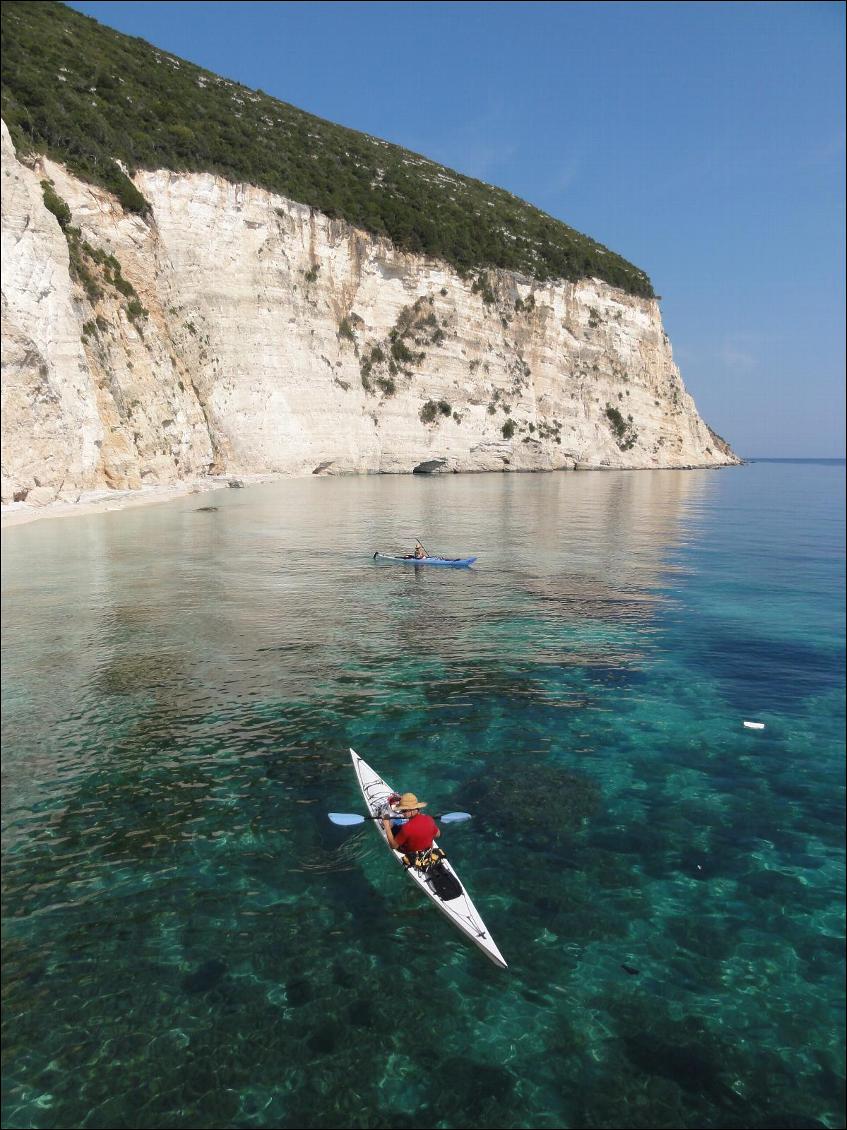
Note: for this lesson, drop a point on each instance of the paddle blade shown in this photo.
(345, 818)
(455, 817)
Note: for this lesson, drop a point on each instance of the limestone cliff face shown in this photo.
(237, 332)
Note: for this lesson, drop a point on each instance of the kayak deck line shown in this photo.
(460, 910)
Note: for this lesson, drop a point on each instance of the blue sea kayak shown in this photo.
(455, 562)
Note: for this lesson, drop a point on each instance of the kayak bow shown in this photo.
(460, 910)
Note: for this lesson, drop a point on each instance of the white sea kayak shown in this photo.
(460, 910)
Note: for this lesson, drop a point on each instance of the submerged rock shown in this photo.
(206, 977)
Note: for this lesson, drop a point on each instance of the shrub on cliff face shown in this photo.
(482, 287)
(433, 408)
(617, 421)
(135, 310)
(508, 429)
(55, 204)
(78, 262)
(401, 353)
(623, 429)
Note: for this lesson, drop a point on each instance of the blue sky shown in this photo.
(704, 142)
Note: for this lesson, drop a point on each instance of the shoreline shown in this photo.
(106, 501)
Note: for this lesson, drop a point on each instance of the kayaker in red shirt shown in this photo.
(419, 832)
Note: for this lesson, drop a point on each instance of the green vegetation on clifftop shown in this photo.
(89, 97)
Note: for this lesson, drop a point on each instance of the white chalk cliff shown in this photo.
(265, 346)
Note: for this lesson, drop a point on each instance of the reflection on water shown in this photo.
(274, 596)
(188, 942)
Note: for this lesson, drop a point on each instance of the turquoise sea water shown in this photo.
(188, 942)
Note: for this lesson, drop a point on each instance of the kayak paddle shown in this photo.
(344, 819)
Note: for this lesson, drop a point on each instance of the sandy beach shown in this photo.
(101, 501)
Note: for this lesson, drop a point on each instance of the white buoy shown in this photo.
(755, 725)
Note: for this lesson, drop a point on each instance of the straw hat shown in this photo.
(409, 800)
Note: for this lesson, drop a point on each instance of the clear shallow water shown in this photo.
(189, 943)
